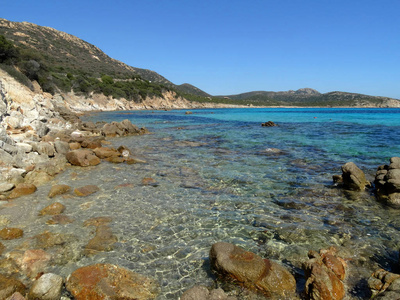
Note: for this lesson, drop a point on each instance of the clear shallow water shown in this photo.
(223, 177)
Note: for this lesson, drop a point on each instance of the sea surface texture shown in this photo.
(220, 176)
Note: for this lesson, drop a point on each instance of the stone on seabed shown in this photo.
(252, 271)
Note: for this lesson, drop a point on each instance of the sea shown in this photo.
(221, 176)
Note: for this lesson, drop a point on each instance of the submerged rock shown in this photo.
(11, 233)
(9, 286)
(268, 124)
(53, 209)
(251, 270)
(200, 292)
(86, 190)
(58, 189)
(107, 281)
(324, 273)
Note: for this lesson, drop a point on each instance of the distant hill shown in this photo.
(311, 97)
(61, 63)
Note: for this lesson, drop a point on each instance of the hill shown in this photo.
(62, 63)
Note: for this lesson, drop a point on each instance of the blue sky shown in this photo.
(228, 47)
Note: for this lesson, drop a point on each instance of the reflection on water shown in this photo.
(268, 190)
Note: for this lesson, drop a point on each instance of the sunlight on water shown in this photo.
(222, 177)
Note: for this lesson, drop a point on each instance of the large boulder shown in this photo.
(107, 281)
(387, 183)
(324, 273)
(82, 157)
(353, 178)
(251, 270)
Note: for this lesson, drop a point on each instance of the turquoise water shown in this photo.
(222, 177)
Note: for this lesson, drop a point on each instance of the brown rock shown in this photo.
(11, 233)
(16, 296)
(251, 270)
(48, 239)
(58, 189)
(9, 286)
(34, 261)
(98, 221)
(115, 160)
(2, 248)
(91, 143)
(74, 146)
(105, 152)
(132, 160)
(149, 181)
(353, 177)
(104, 240)
(83, 158)
(325, 273)
(382, 281)
(53, 209)
(22, 189)
(59, 219)
(86, 190)
(106, 281)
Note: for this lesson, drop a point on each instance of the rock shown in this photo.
(2, 248)
(6, 186)
(353, 178)
(11, 233)
(384, 285)
(387, 183)
(74, 146)
(60, 219)
(24, 147)
(324, 273)
(106, 281)
(268, 124)
(188, 113)
(337, 179)
(104, 240)
(86, 190)
(48, 239)
(92, 143)
(22, 189)
(34, 261)
(47, 287)
(251, 270)
(82, 157)
(16, 296)
(149, 181)
(104, 152)
(38, 178)
(115, 160)
(53, 209)
(111, 130)
(61, 147)
(9, 286)
(97, 221)
(132, 160)
(200, 292)
(40, 128)
(125, 152)
(44, 148)
(5, 157)
(58, 189)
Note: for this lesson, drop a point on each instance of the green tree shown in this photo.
(7, 50)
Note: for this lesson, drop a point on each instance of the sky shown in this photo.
(227, 47)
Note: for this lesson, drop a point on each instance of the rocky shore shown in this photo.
(41, 135)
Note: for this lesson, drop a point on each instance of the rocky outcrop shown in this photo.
(352, 178)
(324, 272)
(251, 270)
(387, 183)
